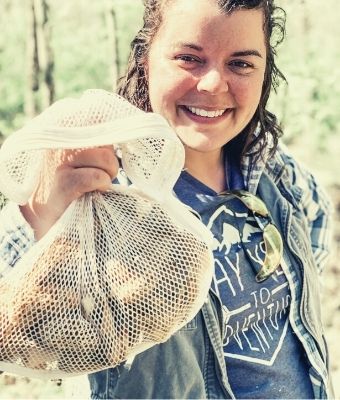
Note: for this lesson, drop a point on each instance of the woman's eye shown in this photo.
(187, 59)
(242, 67)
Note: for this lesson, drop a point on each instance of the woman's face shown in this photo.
(205, 71)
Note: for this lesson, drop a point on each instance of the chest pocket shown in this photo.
(190, 326)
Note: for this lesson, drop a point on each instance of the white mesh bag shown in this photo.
(120, 271)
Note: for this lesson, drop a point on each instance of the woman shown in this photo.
(208, 67)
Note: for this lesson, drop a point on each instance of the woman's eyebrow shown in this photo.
(241, 53)
(245, 53)
(189, 45)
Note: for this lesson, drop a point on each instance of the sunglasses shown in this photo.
(271, 235)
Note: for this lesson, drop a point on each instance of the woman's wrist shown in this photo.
(41, 217)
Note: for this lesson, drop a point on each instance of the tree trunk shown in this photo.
(305, 22)
(111, 25)
(32, 69)
(46, 57)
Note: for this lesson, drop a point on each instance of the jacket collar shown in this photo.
(252, 168)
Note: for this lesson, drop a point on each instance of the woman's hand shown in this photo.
(79, 172)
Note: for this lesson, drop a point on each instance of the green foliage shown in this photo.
(308, 107)
(80, 45)
(15, 387)
(12, 61)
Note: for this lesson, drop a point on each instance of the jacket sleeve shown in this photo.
(16, 237)
(316, 206)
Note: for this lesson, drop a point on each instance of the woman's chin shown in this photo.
(201, 142)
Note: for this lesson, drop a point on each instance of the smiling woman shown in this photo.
(213, 80)
(208, 67)
(217, 68)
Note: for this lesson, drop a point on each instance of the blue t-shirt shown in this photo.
(264, 358)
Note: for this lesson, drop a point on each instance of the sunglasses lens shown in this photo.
(274, 251)
(271, 235)
(252, 202)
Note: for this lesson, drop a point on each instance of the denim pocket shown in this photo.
(190, 326)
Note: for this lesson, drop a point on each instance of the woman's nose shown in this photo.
(213, 81)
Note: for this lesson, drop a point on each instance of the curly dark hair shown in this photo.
(134, 86)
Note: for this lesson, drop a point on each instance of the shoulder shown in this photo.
(308, 197)
(306, 189)
(312, 190)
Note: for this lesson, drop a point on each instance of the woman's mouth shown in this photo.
(203, 115)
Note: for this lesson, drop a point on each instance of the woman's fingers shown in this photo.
(77, 172)
(71, 183)
(103, 158)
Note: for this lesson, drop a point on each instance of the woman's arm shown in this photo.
(79, 172)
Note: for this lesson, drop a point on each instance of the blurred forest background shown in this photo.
(50, 49)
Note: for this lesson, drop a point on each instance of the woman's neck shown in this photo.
(208, 168)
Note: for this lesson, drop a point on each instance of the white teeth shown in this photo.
(205, 113)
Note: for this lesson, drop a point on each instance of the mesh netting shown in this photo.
(120, 271)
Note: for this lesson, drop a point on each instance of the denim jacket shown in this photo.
(191, 363)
